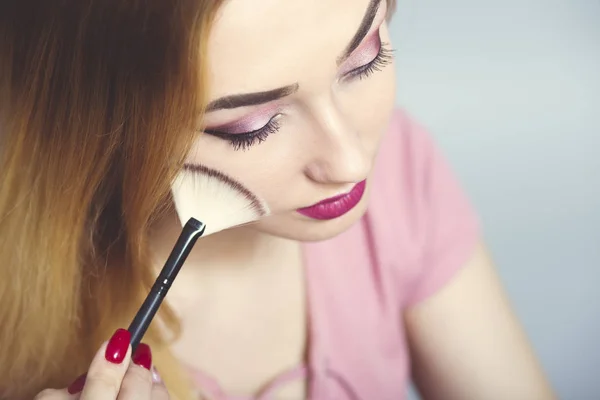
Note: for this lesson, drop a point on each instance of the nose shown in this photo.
(338, 154)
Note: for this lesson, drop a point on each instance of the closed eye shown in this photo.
(384, 57)
(245, 140)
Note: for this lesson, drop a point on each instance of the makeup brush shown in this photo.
(190, 233)
(222, 202)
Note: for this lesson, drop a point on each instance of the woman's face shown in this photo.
(300, 93)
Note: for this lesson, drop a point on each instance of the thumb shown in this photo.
(106, 372)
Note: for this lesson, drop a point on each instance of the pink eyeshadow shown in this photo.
(364, 54)
(247, 123)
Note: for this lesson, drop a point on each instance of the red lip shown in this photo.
(337, 206)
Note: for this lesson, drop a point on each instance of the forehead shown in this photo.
(258, 45)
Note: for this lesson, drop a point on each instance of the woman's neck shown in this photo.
(237, 255)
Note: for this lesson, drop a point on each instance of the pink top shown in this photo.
(418, 231)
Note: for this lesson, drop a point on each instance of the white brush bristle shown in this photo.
(214, 202)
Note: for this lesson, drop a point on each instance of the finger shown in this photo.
(55, 394)
(76, 387)
(108, 368)
(159, 390)
(156, 376)
(70, 393)
(137, 383)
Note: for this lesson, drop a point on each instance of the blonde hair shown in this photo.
(98, 105)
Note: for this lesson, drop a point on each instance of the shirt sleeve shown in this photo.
(450, 224)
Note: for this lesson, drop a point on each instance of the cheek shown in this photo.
(370, 102)
(371, 107)
(383, 96)
(263, 170)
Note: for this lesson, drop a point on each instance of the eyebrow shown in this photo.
(251, 99)
(257, 98)
(362, 31)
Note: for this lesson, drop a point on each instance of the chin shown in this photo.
(295, 226)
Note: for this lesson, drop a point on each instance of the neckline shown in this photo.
(308, 369)
(210, 386)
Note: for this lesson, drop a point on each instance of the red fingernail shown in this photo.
(77, 385)
(117, 346)
(143, 356)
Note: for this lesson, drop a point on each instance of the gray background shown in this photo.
(511, 90)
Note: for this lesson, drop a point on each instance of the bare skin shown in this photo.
(241, 296)
(244, 317)
(117, 379)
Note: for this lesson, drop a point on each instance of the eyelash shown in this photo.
(243, 141)
(383, 58)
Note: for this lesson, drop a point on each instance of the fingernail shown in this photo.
(117, 346)
(77, 385)
(156, 376)
(143, 356)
